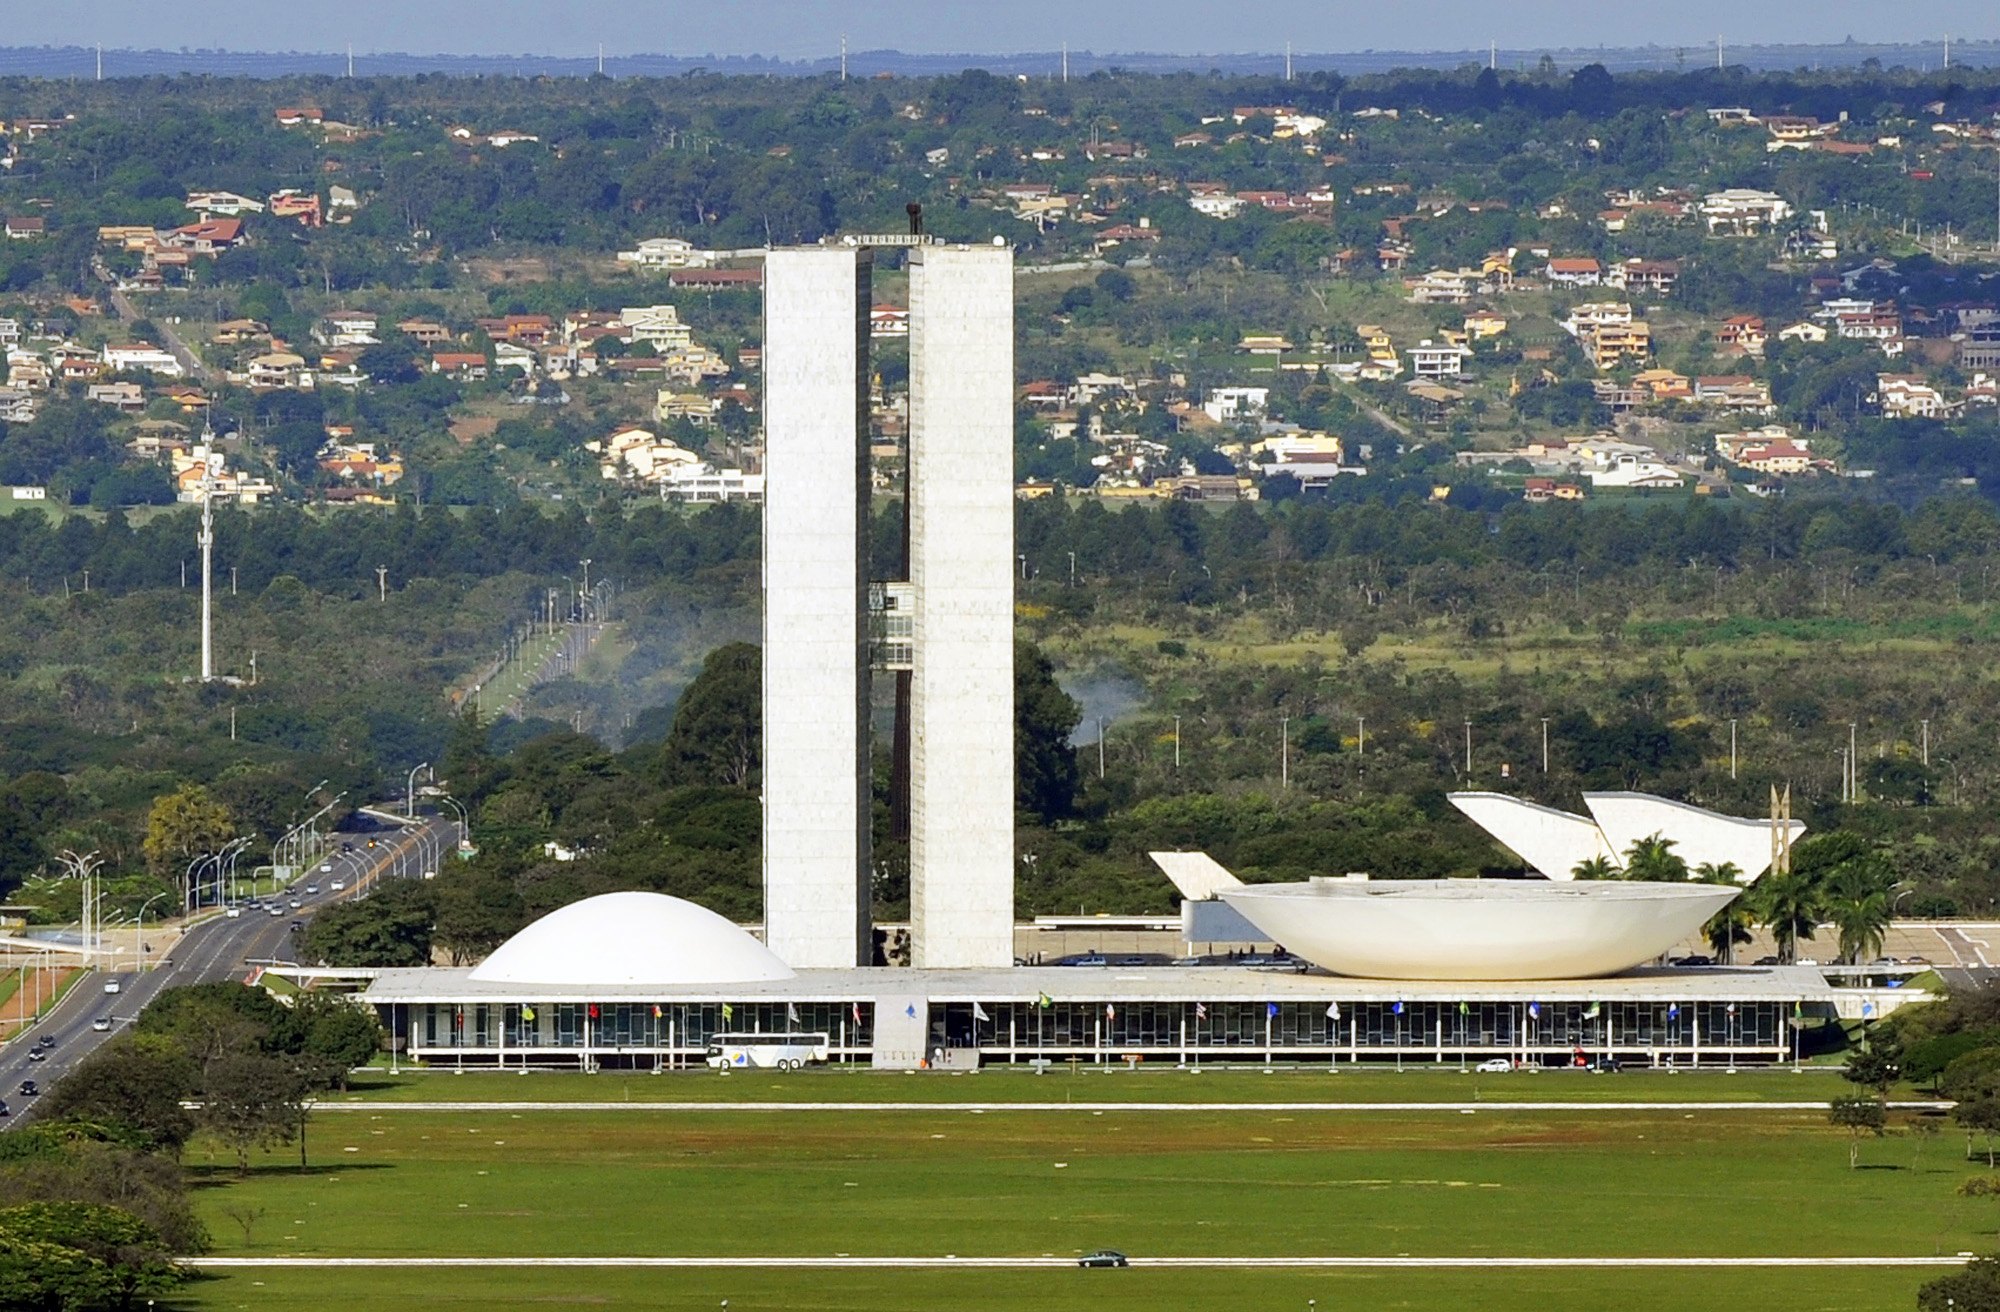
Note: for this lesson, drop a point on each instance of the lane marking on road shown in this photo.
(1453, 1107)
(833, 1263)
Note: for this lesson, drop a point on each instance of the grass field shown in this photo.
(930, 1182)
(1419, 1082)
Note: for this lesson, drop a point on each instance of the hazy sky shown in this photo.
(793, 29)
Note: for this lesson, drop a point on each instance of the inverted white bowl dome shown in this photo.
(631, 938)
(1477, 929)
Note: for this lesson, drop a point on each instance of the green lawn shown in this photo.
(1420, 1082)
(1062, 1291)
(1662, 1184)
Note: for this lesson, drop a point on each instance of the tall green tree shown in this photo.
(182, 825)
(1789, 904)
(138, 1080)
(389, 927)
(717, 735)
(1654, 860)
(1046, 773)
(1731, 925)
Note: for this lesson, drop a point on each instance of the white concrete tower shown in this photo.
(961, 498)
(816, 675)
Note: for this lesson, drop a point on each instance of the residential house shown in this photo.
(1742, 334)
(27, 227)
(121, 396)
(209, 237)
(1215, 204)
(1805, 330)
(1539, 490)
(347, 328)
(1596, 314)
(705, 484)
(424, 332)
(465, 366)
(223, 202)
(1429, 359)
(1574, 272)
(1785, 457)
(1226, 405)
(236, 332)
(1441, 288)
(657, 326)
(1734, 392)
(278, 369)
(141, 355)
(1908, 396)
(888, 321)
(1634, 275)
(1481, 324)
(1264, 344)
(1609, 344)
(666, 253)
(1631, 471)
(1742, 211)
(17, 405)
(717, 280)
(1731, 446)
(301, 205)
(692, 406)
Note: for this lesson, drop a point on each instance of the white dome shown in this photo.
(631, 938)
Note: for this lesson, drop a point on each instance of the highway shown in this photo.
(226, 946)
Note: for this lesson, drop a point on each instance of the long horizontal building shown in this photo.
(641, 981)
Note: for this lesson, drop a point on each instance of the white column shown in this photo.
(816, 766)
(961, 482)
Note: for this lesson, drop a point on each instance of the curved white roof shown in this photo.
(1700, 837)
(1477, 929)
(631, 938)
(1553, 842)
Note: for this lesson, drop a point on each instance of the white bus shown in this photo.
(775, 1052)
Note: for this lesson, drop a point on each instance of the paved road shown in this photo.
(224, 947)
(129, 312)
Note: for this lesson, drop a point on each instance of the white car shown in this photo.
(326, 869)
(337, 885)
(1495, 1066)
(101, 1024)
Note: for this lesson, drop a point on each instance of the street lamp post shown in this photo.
(410, 791)
(139, 943)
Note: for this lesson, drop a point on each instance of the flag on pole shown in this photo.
(1732, 1008)
(1867, 1010)
(593, 1011)
(1399, 1006)
(1464, 1009)
(656, 1011)
(1592, 1011)
(1673, 1011)
(857, 1013)
(1333, 1011)
(911, 1011)
(728, 1012)
(1534, 1011)
(1044, 1001)
(979, 1012)
(1201, 1011)
(791, 1013)
(1270, 1009)
(527, 1013)
(1110, 1012)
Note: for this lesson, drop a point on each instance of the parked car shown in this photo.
(1494, 1066)
(1104, 1257)
(1767, 961)
(1694, 961)
(1602, 1065)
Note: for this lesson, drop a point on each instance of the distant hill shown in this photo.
(82, 62)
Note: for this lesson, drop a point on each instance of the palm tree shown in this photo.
(1597, 867)
(1731, 925)
(1790, 905)
(1857, 901)
(1653, 859)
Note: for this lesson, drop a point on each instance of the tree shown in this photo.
(717, 735)
(477, 911)
(1046, 774)
(1860, 1117)
(79, 1256)
(254, 1100)
(1789, 904)
(1731, 925)
(1981, 1116)
(389, 927)
(1654, 860)
(139, 1080)
(1857, 901)
(1597, 867)
(209, 1021)
(1976, 1288)
(182, 825)
(337, 1033)
(1872, 1071)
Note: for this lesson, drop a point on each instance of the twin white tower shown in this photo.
(951, 626)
